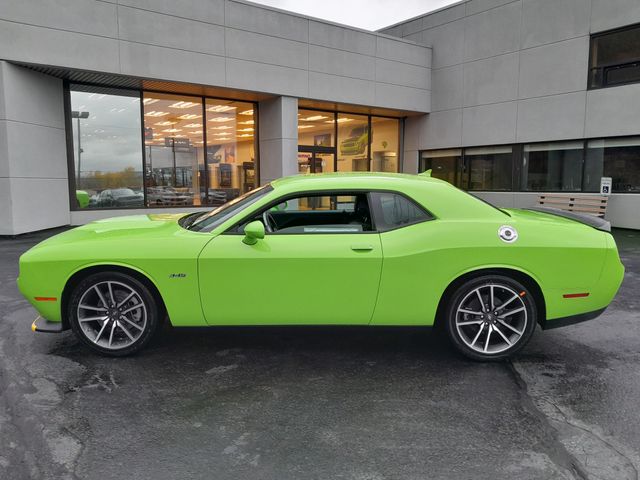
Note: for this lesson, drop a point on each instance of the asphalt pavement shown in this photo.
(320, 403)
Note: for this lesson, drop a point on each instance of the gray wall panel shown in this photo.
(149, 61)
(548, 21)
(168, 31)
(555, 117)
(489, 124)
(211, 11)
(491, 80)
(266, 49)
(493, 32)
(447, 88)
(556, 68)
(341, 62)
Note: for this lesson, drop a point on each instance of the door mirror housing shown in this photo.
(253, 232)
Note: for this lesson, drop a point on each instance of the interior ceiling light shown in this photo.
(189, 116)
(184, 104)
(166, 123)
(221, 127)
(221, 133)
(245, 135)
(245, 130)
(193, 125)
(300, 127)
(196, 132)
(248, 122)
(172, 130)
(341, 120)
(220, 108)
(314, 118)
(247, 112)
(223, 139)
(221, 119)
(149, 101)
(153, 113)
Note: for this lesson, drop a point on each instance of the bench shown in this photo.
(591, 204)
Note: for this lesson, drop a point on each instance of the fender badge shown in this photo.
(177, 275)
(507, 234)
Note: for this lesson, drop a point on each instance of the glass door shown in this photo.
(316, 160)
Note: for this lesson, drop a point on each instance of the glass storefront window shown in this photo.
(107, 150)
(444, 164)
(490, 168)
(173, 149)
(553, 167)
(353, 143)
(316, 128)
(615, 58)
(618, 158)
(231, 128)
(385, 139)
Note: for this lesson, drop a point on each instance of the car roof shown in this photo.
(376, 180)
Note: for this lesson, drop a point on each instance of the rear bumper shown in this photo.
(571, 320)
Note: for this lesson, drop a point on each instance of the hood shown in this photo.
(131, 226)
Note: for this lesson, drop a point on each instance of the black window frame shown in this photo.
(602, 83)
(73, 204)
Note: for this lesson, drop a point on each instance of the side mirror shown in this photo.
(253, 232)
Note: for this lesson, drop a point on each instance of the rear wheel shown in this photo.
(113, 313)
(491, 317)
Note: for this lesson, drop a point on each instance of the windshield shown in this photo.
(211, 220)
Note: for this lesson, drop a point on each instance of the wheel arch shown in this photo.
(86, 270)
(516, 274)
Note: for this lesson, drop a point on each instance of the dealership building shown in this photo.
(135, 106)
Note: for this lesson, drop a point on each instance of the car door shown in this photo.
(322, 271)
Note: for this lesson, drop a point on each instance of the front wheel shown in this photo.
(113, 313)
(491, 317)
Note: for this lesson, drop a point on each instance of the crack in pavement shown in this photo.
(558, 453)
(601, 458)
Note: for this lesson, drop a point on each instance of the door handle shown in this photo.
(362, 247)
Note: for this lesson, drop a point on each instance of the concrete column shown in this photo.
(278, 130)
(34, 191)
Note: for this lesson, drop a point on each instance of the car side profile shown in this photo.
(330, 249)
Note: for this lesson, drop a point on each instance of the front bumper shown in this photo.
(43, 325)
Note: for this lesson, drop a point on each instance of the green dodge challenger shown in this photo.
(329, 249)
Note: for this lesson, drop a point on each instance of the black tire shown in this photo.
(482, 337)
(142, 303)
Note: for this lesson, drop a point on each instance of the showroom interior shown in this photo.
(171, 110)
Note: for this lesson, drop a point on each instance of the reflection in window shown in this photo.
(107, 150)
(231, 128)
(353, 143)
(316, 128)
(615, 58)
(553, 167)
(490, 168)
(444, 164)
(385, 136)
(618, 158)
(174, 149)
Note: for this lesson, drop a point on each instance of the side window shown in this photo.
(394, 210)
(322, 213)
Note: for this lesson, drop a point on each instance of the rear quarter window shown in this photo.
(394, 210)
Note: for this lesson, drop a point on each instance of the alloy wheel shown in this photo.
(112, 315)
(491, 318)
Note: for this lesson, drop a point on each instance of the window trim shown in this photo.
(341, 191)
(73, 206)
